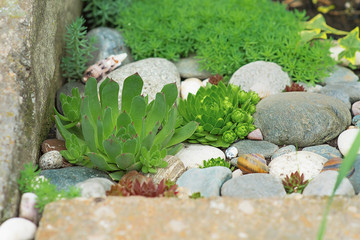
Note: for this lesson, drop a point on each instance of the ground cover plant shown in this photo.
(97, 134)
(225, 35)
(213, 162)
(30, 181)
(78, 50)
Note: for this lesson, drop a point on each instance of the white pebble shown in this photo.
(51, 160)
(237, 173)
(27, 207)
(346, 139)
(231, 152)
(94, 187)
(190, 85)
(17, 229)
(308, 163)
(356, 108)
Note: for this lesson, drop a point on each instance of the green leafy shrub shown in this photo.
(103, 12)
(224, 114)
(213, 162)
(78, 50)
(136, 138)
(225, 35)
(30, 181)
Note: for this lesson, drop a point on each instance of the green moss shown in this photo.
(225, 35)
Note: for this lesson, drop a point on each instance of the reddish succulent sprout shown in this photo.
(294, 87)
(215, 79)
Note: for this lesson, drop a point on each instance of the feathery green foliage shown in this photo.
(103, 13)
(136, 138)
(30, 181)
(225, 35)
(78, 50)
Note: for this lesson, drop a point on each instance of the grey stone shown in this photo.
(32, 43)
(341, 74)
(67, 90)
(323, 185)
(172, 172)
(264, 148)
(155, 72)
(265, 78)
(190, 68)
(352, 89)
(257, 185)
(283, 150)
(355, 178)
(94, 187)
(338, 94)
(324, 150)
(64, 178)
(207, 181)
(109, 42)
(225, 218)
(355, 119)
(300, 118)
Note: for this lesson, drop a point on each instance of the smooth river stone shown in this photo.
(301, 119)
(252, 163)
(346, 139)
(308, 163)
(334, 165)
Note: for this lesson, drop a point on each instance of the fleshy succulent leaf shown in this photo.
(132, 87)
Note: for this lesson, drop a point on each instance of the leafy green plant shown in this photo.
(30, 181)
(217, 162)
(196, 195)
(295, 183)
(78, 50)
(224, 114)
(103, 13)
(136, 138)
(345, 167)
(235, 33)
(135, 184)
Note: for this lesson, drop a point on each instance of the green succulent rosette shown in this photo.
(224, 114)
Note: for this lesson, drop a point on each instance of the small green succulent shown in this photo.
(78, 50)
(217, 162)
(136, 138)
(224, 114)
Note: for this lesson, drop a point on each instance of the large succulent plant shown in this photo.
(224, 114)
(136, 138)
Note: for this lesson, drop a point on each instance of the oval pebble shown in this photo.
(231, 152)
(17, 229)
(27, 207)
(356, 108)
(51, 160)
(346, 139)
(190, 85)
(334, 165)
(308, 163)
(252, 163)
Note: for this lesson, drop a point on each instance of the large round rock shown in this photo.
(300, 118)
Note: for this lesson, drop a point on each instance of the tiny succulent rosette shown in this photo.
(224, 114)
(295, 183)
(213, 162)
(136, 138)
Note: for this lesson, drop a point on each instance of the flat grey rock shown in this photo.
(267, 149)
(324, 150)
(352, 89)
(257, 185)
(341, 74)
(301, 119)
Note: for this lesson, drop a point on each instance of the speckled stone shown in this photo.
(207, 181)
(136, 218)
(264, 148)
(324, 150)
(323, 185)
(51, 160)
(64, 178)
(257, 185)
(283, 150)
(300, 118)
